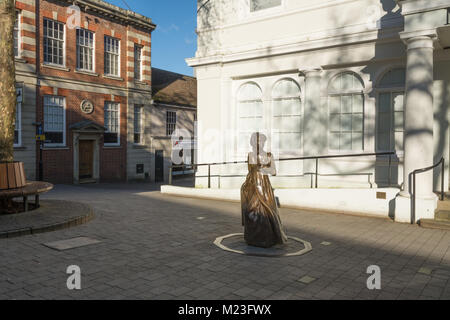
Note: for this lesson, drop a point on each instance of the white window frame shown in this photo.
(138, 61)
(292, 153)
(266, 84)
(167, 122)
(141, 113)
(391, 91)
(19, 119)
(19, 35)
(111, 53)
(351, 93)
(115, 144)
(264, 118)
(63, 144)
(64, 45)
(78, 49)
(383, 89)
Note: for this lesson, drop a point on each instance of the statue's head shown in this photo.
(258, 140)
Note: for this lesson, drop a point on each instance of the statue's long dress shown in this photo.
(260, 217)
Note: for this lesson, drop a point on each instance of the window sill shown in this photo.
(19, 59)
(107, 76)
(50, 148)
(112, 147)
(139, 146)
(19, 148)
(89, 73)
(140, 82)
(54, 66)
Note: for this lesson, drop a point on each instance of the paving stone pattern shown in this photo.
(154, 246)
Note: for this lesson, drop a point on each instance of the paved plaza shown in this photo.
(154, 246)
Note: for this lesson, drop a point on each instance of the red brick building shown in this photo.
(91, 65)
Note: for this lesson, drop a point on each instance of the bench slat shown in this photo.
(11, 175)
(3, 177)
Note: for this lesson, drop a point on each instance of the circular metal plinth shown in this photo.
(235, 243)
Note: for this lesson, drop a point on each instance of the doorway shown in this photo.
(159, 166)
(86, 159)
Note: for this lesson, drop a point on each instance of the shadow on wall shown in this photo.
(376, 69)
(391, 20)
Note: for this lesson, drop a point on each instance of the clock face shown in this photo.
(87, 107)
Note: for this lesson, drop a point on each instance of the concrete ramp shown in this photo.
(373, 202)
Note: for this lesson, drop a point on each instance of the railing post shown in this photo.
(317, 173)
(170, 175)
(390, 171)
(413, 204)
(442, 180)
(209, 176)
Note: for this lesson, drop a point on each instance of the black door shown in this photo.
(159, 166)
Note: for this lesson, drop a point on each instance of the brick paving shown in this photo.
(154, 247)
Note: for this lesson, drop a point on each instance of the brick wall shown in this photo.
(58, 162)
(98, 88)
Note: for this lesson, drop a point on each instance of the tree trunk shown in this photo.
(7, 79)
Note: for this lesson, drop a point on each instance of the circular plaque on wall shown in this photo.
(87, 106)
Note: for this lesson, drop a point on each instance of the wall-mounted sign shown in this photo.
(87, 106)
(40, 136)
(19, 95)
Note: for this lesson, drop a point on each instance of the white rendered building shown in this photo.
(327, 77)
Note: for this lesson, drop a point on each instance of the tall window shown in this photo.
(112, 123)
(171, 122)
(17, 35)
(53, 42)
(287, 117)
(390, 128)
(256, 5)
(85, 50)
(251, 114)
(137, 62)
(18, 124)
(112, 56)
(54, 120)
(137, 124)
(346, 117)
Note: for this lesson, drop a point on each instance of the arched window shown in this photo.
(251, 113)
(287, 117)
(390, 128)
(346, 113)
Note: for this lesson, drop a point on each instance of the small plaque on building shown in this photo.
(139, 169)
(87, 106)
(381, 195)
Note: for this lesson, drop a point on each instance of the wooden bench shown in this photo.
(32, 188)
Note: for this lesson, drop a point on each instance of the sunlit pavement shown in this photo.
(161, 247)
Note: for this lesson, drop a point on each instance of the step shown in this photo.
(435, 224)
(442, 215)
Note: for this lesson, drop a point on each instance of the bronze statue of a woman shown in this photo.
(260, 217)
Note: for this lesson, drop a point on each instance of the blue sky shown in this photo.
(174, 38)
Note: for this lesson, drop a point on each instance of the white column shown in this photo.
(419, 114)
(418, 138)
(314, 124)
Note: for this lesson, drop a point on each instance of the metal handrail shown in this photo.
(317, 158)
(418, 171)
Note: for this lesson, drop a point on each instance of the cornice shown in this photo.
(416, 6)
(391, 35)
(127, 17)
